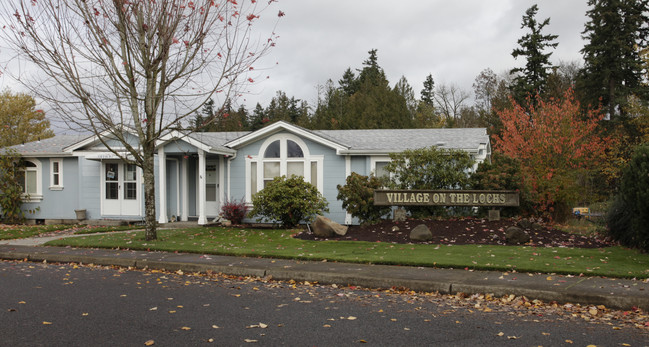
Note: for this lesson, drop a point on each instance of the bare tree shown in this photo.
(140, 66)
(449, 100)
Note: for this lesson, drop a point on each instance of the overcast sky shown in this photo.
(452, 40)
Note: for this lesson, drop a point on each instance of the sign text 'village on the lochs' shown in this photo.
(446, 198)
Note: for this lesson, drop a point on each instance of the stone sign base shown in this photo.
(494, 215)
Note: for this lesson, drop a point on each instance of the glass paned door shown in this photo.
(121, 190)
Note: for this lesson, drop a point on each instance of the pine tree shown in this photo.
(532, 78)
(613, 66)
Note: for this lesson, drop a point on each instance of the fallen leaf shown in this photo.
(215, 326)
(186, 328)
(153, 308)
(326, 326)
(149, 343)
(362, 341)
(249, 340)
(512, 337)
(84, 314)
(568, 341)
(47, 323)
(501, 334)
(351, 318)
(263, 326)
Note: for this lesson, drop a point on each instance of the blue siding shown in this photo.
(56, 204)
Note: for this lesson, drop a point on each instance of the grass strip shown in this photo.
(8, 232)
(609, 262)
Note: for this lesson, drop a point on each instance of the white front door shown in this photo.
(120, 189)
(212, 188)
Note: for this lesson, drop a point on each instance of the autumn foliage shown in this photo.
(556, 145)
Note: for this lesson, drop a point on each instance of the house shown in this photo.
(196, 173)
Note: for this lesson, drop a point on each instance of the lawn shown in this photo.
(10, 231)
(278, 243)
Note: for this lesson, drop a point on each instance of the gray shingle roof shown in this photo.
(401, 139)
(48, 147)
(370, 140)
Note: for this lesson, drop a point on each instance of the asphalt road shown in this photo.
(69, 305)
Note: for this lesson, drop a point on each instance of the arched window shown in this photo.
(30, 181)
(282, 155)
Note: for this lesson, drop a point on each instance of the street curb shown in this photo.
(612, 293)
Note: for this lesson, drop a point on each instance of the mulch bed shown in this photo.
(463, 231)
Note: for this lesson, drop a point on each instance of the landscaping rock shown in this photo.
(325, 227)
(524, 223)
(537, 226)
(395, 228)
(516, 236)
(421, 233)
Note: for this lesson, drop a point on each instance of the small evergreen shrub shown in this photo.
(234, 211)
(11, 190)
(628, 218)
(502, 173)
(288, 201)
(357, 196)
(430, 168)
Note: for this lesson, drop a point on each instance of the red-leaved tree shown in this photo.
(556, 145)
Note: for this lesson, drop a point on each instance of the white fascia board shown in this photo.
(93, 138)
(176, 135)
(279, 126)
(388, 152)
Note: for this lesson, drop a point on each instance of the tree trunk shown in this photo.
(149, 194)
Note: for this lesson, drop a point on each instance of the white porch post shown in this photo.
(348, 172)
(202, 219)
(185, 184)
(162, 167)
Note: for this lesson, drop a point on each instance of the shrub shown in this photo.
(11, 190)
(357, 196)
(289, 201)
(234, 211)
(429, 168)
(502, 173)
(628, 217)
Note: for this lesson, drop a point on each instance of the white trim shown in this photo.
(60, 173)
(348, 172)
(221, 186)
(185, 183)
(375, 159)
(279, 126)
(162, 185)
(202, 219)
(38, 196)
(108, 134)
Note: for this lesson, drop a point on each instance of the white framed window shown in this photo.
(282, 155)
(56, 174)
(378, 165)
(31, 181)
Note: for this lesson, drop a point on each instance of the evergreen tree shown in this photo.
(428, 93)
(531, 79)
(613, 66)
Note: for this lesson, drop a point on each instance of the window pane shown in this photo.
(253, 178)
(112, 191)
(210, 192)
(296, 169)
(29, 164)
(294, 150)
(131, 191)
(314, 173)
(272, 151)
(380, 170)
(55, 179)
(30, 182)
(130, 172)
(271, 170)
(55, 167)
(111, 172)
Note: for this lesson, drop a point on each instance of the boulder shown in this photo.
(421, 233)
(399, 215)
(516, 236)
(325, 227)
(524, 223)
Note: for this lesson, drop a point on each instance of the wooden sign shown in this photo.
(493, 198)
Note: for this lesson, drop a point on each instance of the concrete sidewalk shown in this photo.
(613, 293)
